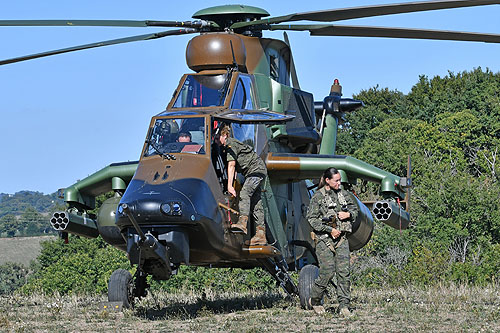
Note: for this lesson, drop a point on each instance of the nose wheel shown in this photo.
(123, 288)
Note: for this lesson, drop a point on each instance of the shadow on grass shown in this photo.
(203, 307)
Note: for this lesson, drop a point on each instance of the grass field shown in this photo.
(434, 309)
(21, 250)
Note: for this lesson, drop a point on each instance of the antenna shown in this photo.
(235, 64)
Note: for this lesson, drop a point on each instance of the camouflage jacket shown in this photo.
(247, 160)
(318, 209)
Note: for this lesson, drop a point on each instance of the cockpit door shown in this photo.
(252, 117)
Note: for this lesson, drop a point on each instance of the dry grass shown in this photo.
(436, 309)
(21, 250)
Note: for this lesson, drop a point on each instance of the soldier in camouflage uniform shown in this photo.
(242, 158)
(330, 214)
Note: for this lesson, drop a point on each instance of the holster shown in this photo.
(328, 240)
(330, 245)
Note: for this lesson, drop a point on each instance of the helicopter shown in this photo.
(170, 207)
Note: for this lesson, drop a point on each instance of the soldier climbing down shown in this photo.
(330, 214)
(242, 158)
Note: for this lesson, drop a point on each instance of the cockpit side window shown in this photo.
(274, 67)
(176, 135)
(202, 91)
(244, 133)
(242, 98)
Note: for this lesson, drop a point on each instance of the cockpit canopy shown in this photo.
(202, 91)
(214, 90)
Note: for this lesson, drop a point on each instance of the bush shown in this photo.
(428, 265)
(230, 279)
(12, 276)
(378, 270)
(81, 266)
(85, 265)
(480, 268)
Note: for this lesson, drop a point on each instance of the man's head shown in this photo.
(184, 137)
(223, 135)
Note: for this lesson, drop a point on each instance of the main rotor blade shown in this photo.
(365, 31)
(99, 44)
(101, 23)
(293, 71)
(368, 11)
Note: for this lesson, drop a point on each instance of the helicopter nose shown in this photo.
(183, 201)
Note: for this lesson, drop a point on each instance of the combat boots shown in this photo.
(260, 236)
(241, 226)
(317, 307)
(344, 312)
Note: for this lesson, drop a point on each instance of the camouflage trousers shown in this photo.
(250, 199)
(329, 264)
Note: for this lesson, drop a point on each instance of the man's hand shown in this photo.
(335, 233)
(344, 215)
(231, 190)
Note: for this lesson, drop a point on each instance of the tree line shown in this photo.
(451, 128)
(26, 213)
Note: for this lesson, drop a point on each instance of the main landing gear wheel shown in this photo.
(121, 287)
(307, 275)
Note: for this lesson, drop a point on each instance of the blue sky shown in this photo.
(67, 116)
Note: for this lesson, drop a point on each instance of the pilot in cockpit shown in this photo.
(184, 137)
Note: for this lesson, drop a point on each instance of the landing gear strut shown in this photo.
(140, 283)
(278, 269)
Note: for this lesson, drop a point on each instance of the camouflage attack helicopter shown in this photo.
(171, 208)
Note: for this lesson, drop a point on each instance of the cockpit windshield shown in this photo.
(176, 135)
(202, 91)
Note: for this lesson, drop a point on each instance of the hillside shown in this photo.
(21, 250)
(26, 213)
(18, 202)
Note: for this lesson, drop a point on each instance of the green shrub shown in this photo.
(427, 265)
(479, 268)
(81, 266)
(490, 263)
(12, 276)
(230, 279)
(85, 265)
